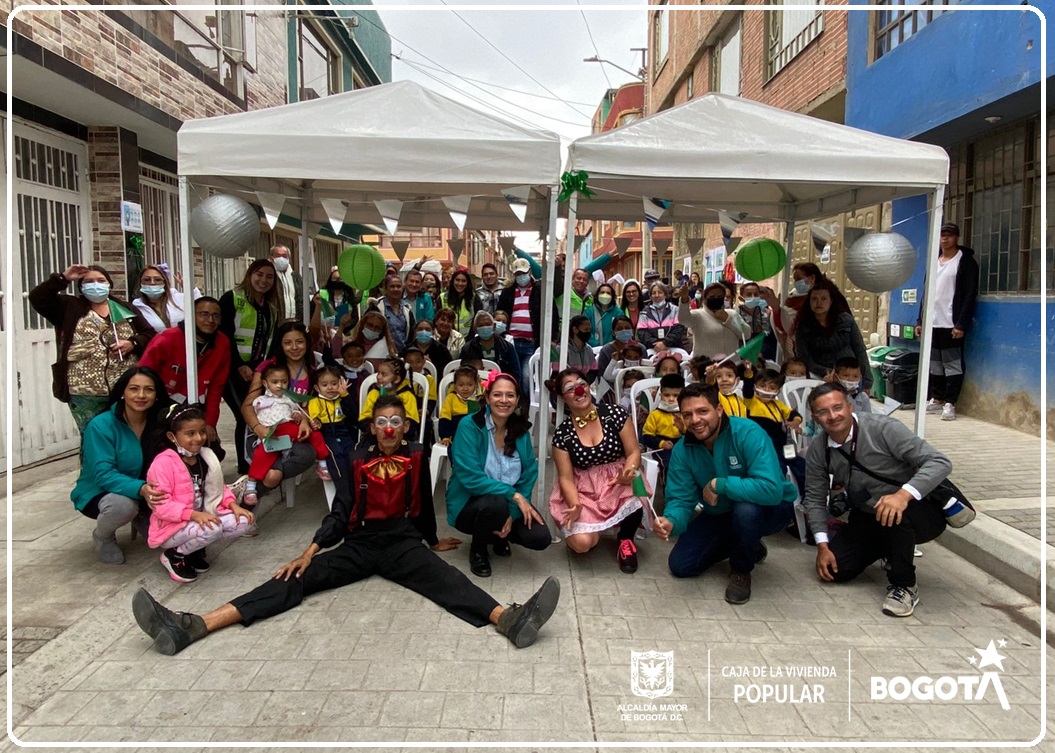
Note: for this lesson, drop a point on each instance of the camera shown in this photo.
(838, 503)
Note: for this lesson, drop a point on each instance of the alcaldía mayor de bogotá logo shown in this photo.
(652, 673)
(947, 688)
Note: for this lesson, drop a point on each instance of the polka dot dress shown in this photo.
(609, 450)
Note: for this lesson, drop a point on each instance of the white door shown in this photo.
(52, 211)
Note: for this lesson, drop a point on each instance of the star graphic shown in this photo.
(1002, 643)
(989, 657)
(972, 659)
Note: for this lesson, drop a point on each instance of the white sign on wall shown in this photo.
(131, 217)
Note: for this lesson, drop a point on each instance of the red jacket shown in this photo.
(166, 354)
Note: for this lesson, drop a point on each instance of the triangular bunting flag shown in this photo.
(730, 222)
(654, 209)
(456, 245)
(622, 245)
(272, 204)
(731, 244)
(823, 233)
(507, 242)
(390, 210)
(518, 200)
(458, 207)
(695, 245)
(335, 211)
(853, 234)
(661, 244)
(578, 241)
(400, 247)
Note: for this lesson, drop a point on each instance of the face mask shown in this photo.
(183, 452)
(850, 386)
(485, 333)
(522, 280)
(624, 335)
(424, 337)
(500, 328)
(765, 396)
(281, 264)
(754, 303)
(731, 390)
(715, 304)
(667, 407)
(604, 299)
(371, 334)
(153, 292)
(802, 286)
(699, 296)
(582, 336)
(354, 369)
(96, 292)
(659, 304)
(631, 364)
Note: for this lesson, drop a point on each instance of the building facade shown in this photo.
(980, 99)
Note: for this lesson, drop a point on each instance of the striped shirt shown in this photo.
(520, 322)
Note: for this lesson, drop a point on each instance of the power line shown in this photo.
(595, 50)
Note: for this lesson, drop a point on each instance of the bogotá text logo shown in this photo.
(967, 687)
(652, 673)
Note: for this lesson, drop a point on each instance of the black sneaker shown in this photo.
(520, 623)
(502, 548)
(172, 631)
(765, 553)
(739, 589)
(627, 556)
(196, 559)
(178, 567)
(480, 563)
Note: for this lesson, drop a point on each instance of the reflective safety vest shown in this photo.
(245, 325)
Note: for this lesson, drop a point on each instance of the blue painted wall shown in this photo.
(959, 64)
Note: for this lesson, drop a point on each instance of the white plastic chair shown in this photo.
(457, 362)
(642, 386)
(431, 368)
(619, 374)
(799, 508)
(534, 387)
(795, 394)
(416, 379)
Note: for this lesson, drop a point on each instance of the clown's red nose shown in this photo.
(390, 432)
(580, 390)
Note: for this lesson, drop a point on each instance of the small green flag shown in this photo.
(297, 397)
(471, 407)
(639, 486)
(119, 313)
(752, 349)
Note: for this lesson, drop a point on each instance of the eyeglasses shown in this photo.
(570, 386)
(384, 422)
(209, 317)
(153, 281)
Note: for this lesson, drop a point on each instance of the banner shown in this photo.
(518, 200)
(390, 210)
(336, 210)
(458, 207)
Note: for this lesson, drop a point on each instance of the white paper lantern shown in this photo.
(879, 262)
(225, 225)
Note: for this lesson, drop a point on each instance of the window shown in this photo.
(725, 62)
(320, 66)
(660, 39)
(689, 86)
(994, 195)
(789, 32)
(895, 25)
(217, 41)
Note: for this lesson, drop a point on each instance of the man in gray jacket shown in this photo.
(886, 520)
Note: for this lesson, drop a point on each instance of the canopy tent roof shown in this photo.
(723, 152)
(393, 141)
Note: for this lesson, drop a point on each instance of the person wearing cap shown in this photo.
(955, 295)
(522, 302)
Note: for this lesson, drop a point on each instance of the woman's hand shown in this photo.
(122, 347)
(625, 477)
(211, 435)
(767, 295)
(75, 272)
(204, 519)
(529, 513)
(445, 545)
(241, 512)
(304, 431)
(570, 516)
(506, 528)
(150, 492)
(245, 372)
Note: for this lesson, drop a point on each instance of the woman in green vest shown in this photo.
(248, 315)
(459, 298)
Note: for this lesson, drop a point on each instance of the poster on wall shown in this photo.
(131, 217)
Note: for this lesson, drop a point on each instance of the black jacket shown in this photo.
(966, 295)
(508, 296)
(505, 354)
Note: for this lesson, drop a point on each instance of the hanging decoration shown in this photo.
(458, 208)
(272, 204)
(518, 200)
(225, 226)
(760, 258)
(662, 245)
(730, 221)
(880, 262)
(823, 233)
(574, 182)
(732, 243)
(507, 242)
(654, 209)
(578, 241)
(853, 234)
(622, 245)
(695, 245)
(336, 210)
(456, 245)
(362, 267)
(400, 247)
(390, 210)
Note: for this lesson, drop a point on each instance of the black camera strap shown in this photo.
(852, 457)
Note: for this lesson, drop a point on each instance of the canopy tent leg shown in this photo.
(789, 252)
(565, 307)
(935, 202)
(646, 254)
(187, 265)
(305, 249)
(549, 267)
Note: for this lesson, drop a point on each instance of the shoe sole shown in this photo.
(890, 613)
(962, 518)
(172, 573)
(144, 609)
(164, 644)
(734, 601)
(543, 608)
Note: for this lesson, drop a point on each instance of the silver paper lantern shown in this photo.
(225, 225)
(879, 262)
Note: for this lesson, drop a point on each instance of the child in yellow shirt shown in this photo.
(460, 402)
(326, 414)
(391, 377)
(664, 425)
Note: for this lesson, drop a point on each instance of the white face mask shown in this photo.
(183, 451)
(281, 263)
(850, 386)
(731, 390)
(765, 396)
(631, 363)
(667, 407)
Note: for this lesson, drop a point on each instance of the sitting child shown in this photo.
(727, 376)
(392, 379)
(777, 418)
(198, 508)
(633, 352)
(848, 373)
(632, 376)
(666, 364)
(698, 367)
(664, 425)
(327, 416)
(275, 409)
(459, 402)
(794, 368)
(355, 370)
(502, 326)
(415, 358)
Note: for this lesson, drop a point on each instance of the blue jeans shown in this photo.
(524, 349)
(735, 536)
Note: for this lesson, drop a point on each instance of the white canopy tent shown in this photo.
(396, 141)
(719, 152)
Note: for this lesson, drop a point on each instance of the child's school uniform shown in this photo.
(453, 410)
(277, 412)
(404, 392)
(660, 425)
(859, 401)
(773, 416)
(334, 430)
(190, 489)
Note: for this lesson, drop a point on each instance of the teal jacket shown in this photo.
(601, 321)
(468, 454)
(112, 460)
(744, 462)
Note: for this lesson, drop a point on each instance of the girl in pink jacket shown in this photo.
(198, 508)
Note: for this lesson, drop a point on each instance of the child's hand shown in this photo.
(204, 519)
(241, 512)
(445, 442)
(343, 385)
(709, 373)
(316, 424)
(666, 444)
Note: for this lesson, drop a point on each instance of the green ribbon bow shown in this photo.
(572, 182)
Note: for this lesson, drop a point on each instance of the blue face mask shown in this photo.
(96, 292)
(523, 280)
(802, 286)
(371, 334)
(424, 337)
(754, 303)
(624, 335)
(500, 328)
(485, 333)
(153, 292)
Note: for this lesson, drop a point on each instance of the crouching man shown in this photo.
(882, 473)
(383, 511)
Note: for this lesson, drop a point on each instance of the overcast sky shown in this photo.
(554, 90)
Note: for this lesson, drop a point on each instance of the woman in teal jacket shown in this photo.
(602, 314)
(493, 474)
(112, 487)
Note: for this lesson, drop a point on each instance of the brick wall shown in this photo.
(104, 174)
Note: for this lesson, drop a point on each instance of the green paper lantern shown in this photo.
(760, 259)
(361, 267)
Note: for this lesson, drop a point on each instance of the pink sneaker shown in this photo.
(249, 499)
(323, 472)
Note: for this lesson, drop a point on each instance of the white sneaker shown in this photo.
(933, 406)
(948, 413)
(899, 601)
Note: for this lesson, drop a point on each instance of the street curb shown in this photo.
(1006, 553)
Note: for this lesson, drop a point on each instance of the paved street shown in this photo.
(372, 662)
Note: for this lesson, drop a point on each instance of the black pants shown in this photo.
(484, 515)
(234, 393)
(946, 366)
(863, 540)
(395, 553)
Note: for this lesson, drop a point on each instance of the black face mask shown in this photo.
(582, 336)
(715, 304)
(335, 286)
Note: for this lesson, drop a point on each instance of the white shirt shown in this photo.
(945, 289)
(289, 293)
